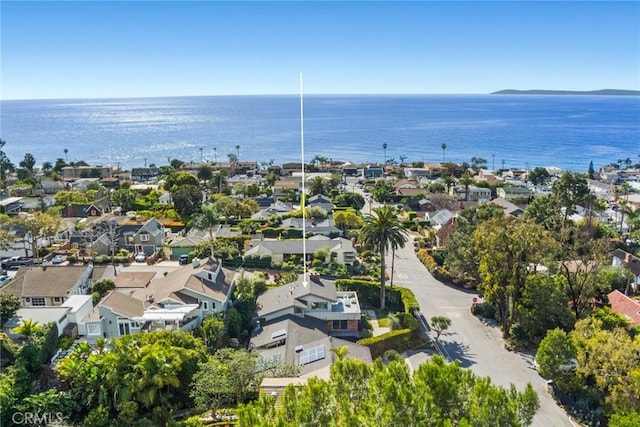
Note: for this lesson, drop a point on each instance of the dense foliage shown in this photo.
(358, 394)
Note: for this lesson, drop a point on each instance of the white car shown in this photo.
(58, 259)
(141, 258)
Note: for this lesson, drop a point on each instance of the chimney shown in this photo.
(627, 258)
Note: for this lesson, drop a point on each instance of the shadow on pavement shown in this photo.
(458, 351)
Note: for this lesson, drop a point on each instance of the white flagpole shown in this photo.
(302, 205)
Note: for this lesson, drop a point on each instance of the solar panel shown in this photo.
(311, 355)
(278, 334)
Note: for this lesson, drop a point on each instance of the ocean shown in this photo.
(507, 130)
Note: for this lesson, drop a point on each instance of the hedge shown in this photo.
(400, 340)
(443, 275)
(369, 292)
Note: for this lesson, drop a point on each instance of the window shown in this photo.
(205, 305)
(93, 329)
(125, 328)
(144, 237)
(316, 305)
(57, 299)
(339, 324)
(37, 302)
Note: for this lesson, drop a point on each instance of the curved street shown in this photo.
(474, 344)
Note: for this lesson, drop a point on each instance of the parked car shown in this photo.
(184, 259)
(141, 258)
(58, 259)
(4, 279)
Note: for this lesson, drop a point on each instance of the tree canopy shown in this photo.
(359, 394)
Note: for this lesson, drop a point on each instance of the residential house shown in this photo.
(177, 301)
(341, 250)
(473, 194)
(264, 201)
(372, 171)
(316, 298)
(602, 190)
(625, 306)
(320, 201)
(514, 194)
(439, 218)
(313, 226)
(50, 286)
(83, 170)
(416, 173)
(82, 211)
(631, 264)
(10, 205)
(67, 316)
(509, 208)
(141, 237)
(302, 341)
(145, 174)
(349, 169)
(290, 168)
(278, 208)
(411, 192)
(282, 187)
(83, 184)
(40, 315)
(47, 188)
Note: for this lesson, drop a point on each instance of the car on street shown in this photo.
(141, 257)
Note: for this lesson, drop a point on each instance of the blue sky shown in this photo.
(124, 49)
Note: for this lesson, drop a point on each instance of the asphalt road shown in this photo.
(476, 345)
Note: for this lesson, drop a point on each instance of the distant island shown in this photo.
(567, 92)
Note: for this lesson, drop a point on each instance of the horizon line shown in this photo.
(313, 94)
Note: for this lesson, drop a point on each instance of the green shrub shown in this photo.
(400, 340)
(65, 342)
(483, 309)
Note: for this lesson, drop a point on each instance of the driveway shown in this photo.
(476, 345)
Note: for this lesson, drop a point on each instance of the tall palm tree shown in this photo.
(466, 181)
(384, 147)
(238, 152)
(66, 158)
(208, 220)
(383, 232)
(28, 328)
(444, 147)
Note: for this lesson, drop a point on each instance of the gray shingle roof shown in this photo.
(288, 295)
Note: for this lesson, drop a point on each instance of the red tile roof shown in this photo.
(622, 304)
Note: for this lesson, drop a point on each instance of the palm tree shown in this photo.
(66, 157)
(382, 232)
(317, 185)
(466, 180)
(402, 160)
(159, 372)
(28, 328)
(204, 174)
(384, 147)
(208, 220)
(444, 147)
(448, 182)
(238, 151)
